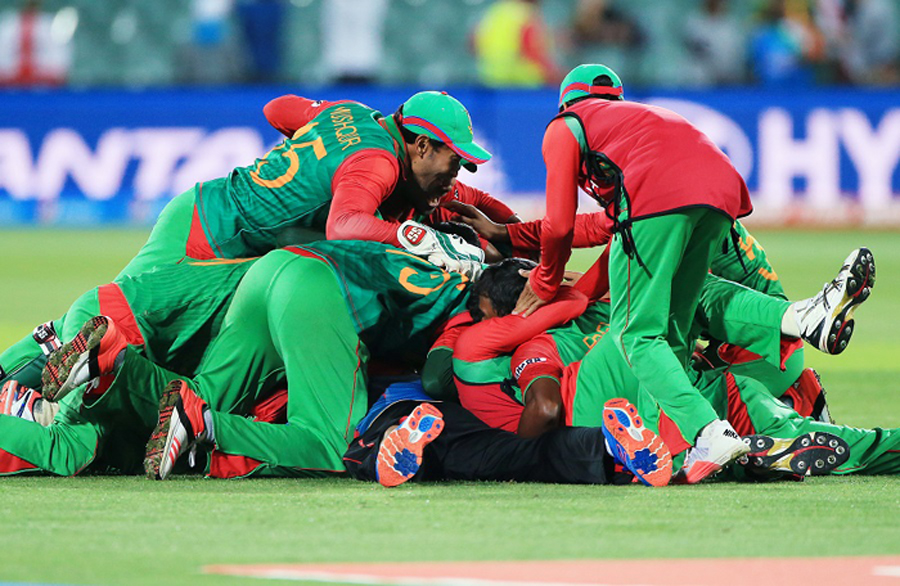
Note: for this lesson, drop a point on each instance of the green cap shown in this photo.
(440, 116)
(581, 82)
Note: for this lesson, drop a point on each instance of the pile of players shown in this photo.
(327, 311)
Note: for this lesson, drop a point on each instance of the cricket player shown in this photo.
(406, 435)
(328, 179)
(672, 196)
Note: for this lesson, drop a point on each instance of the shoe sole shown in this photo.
(160, 441)
(812, 454)
(400, 453)
(641, 450)
(859, 287)
(69, 367)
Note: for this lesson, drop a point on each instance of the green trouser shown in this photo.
(288, 322)
(653, 306)
(752, 409)
(602, 375)
(108, 435)
(24, 360)
(287, 325)
(745, 403)
(732, 313)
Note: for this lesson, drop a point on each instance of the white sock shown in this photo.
(790, 326)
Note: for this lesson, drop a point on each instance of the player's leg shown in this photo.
(871, 451)
(744, 327)
(288, 321)
(468, 449)
(79, 433)
(64, 448)
(652, 339)
(80, 429)
(603, 376)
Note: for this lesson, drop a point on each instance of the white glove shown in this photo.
(447, 251)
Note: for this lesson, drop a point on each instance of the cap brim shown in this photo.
(471, 153)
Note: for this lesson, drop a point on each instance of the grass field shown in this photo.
(127, 530)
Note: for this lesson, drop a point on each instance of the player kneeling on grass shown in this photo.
(515, 376)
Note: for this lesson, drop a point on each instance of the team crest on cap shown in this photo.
(413, 234)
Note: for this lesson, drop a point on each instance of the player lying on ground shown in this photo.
(328, 179)
(402, 438)
(531, 382)
(171, 315)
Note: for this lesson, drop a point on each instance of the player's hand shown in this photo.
(528, 299)
(469, 214)
(447, 251)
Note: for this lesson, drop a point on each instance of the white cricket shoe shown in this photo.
(826, 320)
(717, 446)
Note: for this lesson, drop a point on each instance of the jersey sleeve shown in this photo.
(562, 157)
(289, 113)
(536, 358)
(590, 230)
(491, 403)
(359, 186)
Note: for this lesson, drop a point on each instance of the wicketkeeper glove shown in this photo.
(447, 251)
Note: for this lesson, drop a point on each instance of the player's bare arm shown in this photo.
(543, 408)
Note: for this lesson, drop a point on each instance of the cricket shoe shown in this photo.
(181, 427)
(811, 454)
(17, 400)
(826, 320)
(633, 445)
(807, 397)
(717, 446)
(400, 453)
(96, 351)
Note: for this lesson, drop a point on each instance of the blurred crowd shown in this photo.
(499, 43)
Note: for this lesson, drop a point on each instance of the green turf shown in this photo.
(96, 530)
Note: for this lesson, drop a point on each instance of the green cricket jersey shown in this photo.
(756, 271)
(397, 300)
(289, 189)
(179, 308)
